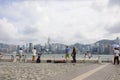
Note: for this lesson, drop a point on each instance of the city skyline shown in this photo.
(99, 47)
(66, 21)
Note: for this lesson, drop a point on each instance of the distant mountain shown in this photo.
(78, 45)
(106, 42)
(2, 45)
(6, 48)
(97, 46)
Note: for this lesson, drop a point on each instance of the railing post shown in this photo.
(99, 59)
(25, 58)
(13, 58)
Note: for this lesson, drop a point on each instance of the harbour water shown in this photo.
(78, 56)
(62, 56)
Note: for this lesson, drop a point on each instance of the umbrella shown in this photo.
(115, 46)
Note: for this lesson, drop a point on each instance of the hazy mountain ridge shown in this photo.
(95, 48)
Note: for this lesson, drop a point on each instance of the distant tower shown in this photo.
(27, 48)
(30, 47)
(23, 47)
(106, 49)
(17, 49)
(48, 44)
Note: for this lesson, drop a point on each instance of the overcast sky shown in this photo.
(64, 21)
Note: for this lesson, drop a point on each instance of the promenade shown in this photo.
(59, 71)
(104, 71)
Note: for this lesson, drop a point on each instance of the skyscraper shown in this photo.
(30, 47)
(48, 46)
(17, 49)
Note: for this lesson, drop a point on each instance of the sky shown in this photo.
(63, 21)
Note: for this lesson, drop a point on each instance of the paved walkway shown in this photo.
(104, 71)
(91, 72)
(110, 72)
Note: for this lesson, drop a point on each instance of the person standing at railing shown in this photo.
(85, 55)
(39, 57)
(1, 55)
(34, 54)
(67, 53)
(116, 55)
(20, 54)
(89, 54)
(73, 54)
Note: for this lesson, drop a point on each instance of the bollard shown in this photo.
(25, 58)
(12, 58)
(99, 59)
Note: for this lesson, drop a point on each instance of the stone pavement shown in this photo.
(77, 72)
(110, 72)
(104, 71)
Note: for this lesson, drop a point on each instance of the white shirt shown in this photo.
(89, 54)
(20, 51)
(116, 52)
(34, 52)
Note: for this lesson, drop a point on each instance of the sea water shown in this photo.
(61, 56)
(78, 56)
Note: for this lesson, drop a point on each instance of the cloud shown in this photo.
(99, 5)
(114, 2)
(114, 29)
(65, 22)
(8, 31)
(30, 30)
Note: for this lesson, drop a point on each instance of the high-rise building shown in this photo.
(106, 49)
(38, 47)
(17, 49)
(27, 48)
(48, 44)
(30, 47)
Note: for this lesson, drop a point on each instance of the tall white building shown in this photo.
(48, 46)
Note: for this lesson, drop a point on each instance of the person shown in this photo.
(66, 53)
(116, 55)
(1, 55)
(34, 54)
(89, 54)
(85, 55)
(38, 58)
(73, 54)
(20, 54)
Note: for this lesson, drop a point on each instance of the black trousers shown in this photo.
(116, 59)
(38, 60)
(74, 58)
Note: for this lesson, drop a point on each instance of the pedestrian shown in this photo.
(73, 54)
(85, 56)
(20, 54)
(34, 54)
(67, 53)
(89, 54)
(1, 55)
(116, 55)
(38, 58)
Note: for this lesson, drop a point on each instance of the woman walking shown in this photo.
(116, 55)
(74, 54)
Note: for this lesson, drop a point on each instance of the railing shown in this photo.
(25, 58)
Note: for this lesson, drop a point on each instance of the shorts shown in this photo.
(67, 56)
(33, 58)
